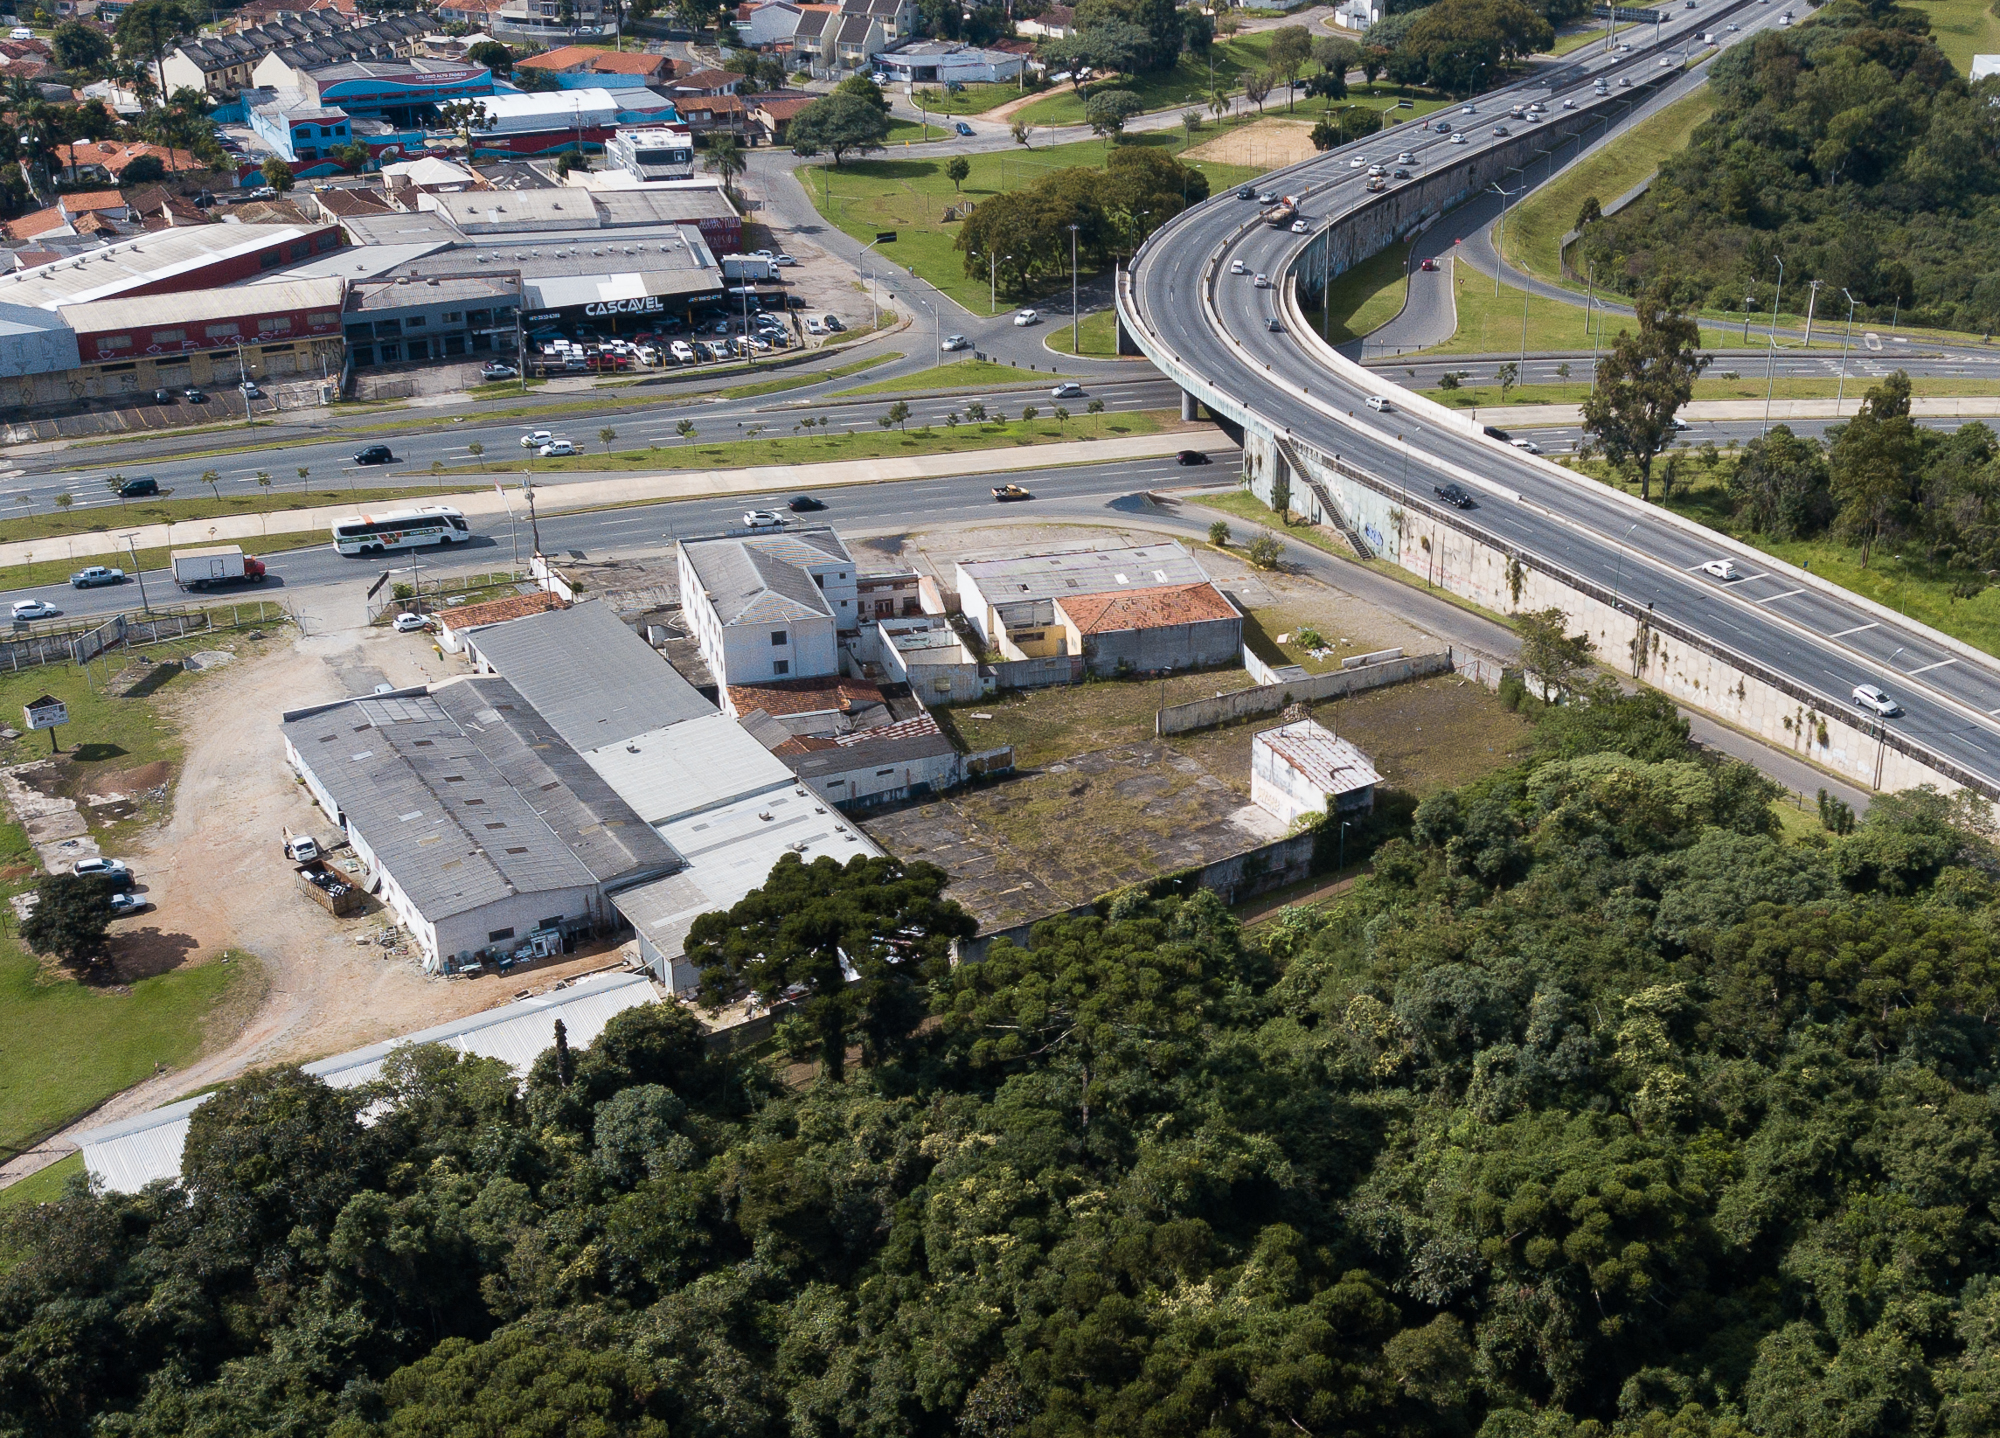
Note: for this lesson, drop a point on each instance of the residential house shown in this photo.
(703, 82)
(591, 66)
(850, 738)
(479, 14)
(104, 213)
(222, 64)
(159, 208)
(1053, 23)
(898, 18)
(939, 62)
(544, 21)
(107, 159)
(769, 26)
(768, 605)
(858, 38)
(775, 113)
(707, 115)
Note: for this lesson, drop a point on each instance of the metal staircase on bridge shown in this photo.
(1329, 507)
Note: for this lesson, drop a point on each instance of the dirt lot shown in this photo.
(1267, 145)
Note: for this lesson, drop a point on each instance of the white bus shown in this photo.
(399, 529)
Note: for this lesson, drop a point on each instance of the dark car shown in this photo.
(133, 488)
(375, 454)
(1247, 192)
(1452, 495)
(1495, 432)
(163, 396)
(805, 503)
(194, 396)
(963, 128)
(1190, 456)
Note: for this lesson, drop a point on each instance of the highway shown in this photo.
(1212, 326)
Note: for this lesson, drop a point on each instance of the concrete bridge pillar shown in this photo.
(1190, 407)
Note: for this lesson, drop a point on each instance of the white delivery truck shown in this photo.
(217, 564)
(748, 267)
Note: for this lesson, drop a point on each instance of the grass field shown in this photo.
(796, 381)
(1536, 227)
(958, 374)
(44, 1186)
(1366, 297)
(1576, 40)
(1962, 29)
(910, 196)
(1099, 336)
(1487, 325)
(910, 132)
(975, 99)
(1748, 385)
(1190, 82)
(804, 447)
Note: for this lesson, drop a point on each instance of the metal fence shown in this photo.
(80, 644)
(434, 596)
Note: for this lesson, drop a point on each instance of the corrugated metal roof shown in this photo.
(143, 260)
(685, 768)
(592, 678)
(191, 307)
(127, 1155)
(439, 815)
(1330, 764)
(1083, 571)
(766, 578)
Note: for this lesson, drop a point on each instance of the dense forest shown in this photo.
(1598, 1107)
(1850, 148)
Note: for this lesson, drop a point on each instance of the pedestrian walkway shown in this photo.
(1568, 416)
(493, 497)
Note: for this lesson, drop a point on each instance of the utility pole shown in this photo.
(1811, 304)
(1075, 322)
(528, 488)
(1841, 393)
(1771, 349)
(137, 573)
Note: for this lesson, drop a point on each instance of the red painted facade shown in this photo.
(243, 266)
(256, 327)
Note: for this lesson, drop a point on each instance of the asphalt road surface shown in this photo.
(1820, 641)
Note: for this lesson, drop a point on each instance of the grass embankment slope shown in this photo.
(910, 196)
(65, 1046)
(1962, 29)
(1749, 385)
(1189, 83)
(1365, 298)
(1097, 335)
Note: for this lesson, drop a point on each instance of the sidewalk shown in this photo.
(627, 489)
(1566, 416)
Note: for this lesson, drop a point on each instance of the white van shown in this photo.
(1378, 403)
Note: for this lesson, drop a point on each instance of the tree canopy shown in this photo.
(839, 124)
(1642, 383)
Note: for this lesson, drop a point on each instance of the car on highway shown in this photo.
(1275, 325)
(1452, 495)
(1268, 197)
(763, 519)
(1444, 127)
(1247, 192)
(1429, 266)
(26, 609)
(805, 504)
(1569, 104)
(1667, 62)
(1356, 162)
(1236, 267)
(94, 575)
(556, 449)
(496, 370)
(409, 623)
(1624, 48)
(535, 439)
(1526, 446)
(963, 128)
(1010, 493)
(1458, 139)
(133, 488)
(1379, 403)
(1068, 389)
(1190, 457)
(1468, 109)
(1400, 173)
(1300, 227)
(1499, 132)
(1871, 697)
(375, 454)
(1262, 282)
(1406, 158)
(112, 871)
(1720, 569)
(955, 342)
(1625, 80)
(1028, 317)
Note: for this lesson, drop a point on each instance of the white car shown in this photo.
(1300, 227)
(34, 609)
(783, 261)
(1406, 158)
(1378, 403)
(815, 326)
(1625, 80)
(1262, 282)
(1569, 104)
(1667, 62)
(1526, 446)
(99, 867)
(1468, 109)
(763, 519)
(535, 439)
(1357, 162)
(1458, 139)
(1028, 317)
(1236, 268)
(1870, 697)
(763, 254)
(409, 623)
(956, 342)
(1720, 569)
(556, 449)
(496, 370)
(1068, 389)
(682, 351)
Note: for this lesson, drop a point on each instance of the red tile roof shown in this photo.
(493, 611)
(93, 200)
(115, 155)
(41, 222)
(601, 61)
(805, 696)
(709, 80)
(1146, 608)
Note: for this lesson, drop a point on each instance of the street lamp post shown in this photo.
(1618, 574)
(937, 330)
(1075, 324)
(1771, 349)
(1811, 305)
(1841, 393)
(137, 573)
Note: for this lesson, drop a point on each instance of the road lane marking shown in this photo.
(1872, 624)
(1928, 667)
(1776, 597)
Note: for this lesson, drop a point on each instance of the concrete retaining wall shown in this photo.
(1270, 698)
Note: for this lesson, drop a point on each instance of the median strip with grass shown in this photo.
(1748, 386)
(1365, 298)
(1099, 336)
(802, 446)
(800, 381)
(957, 375)
(1488, 325)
